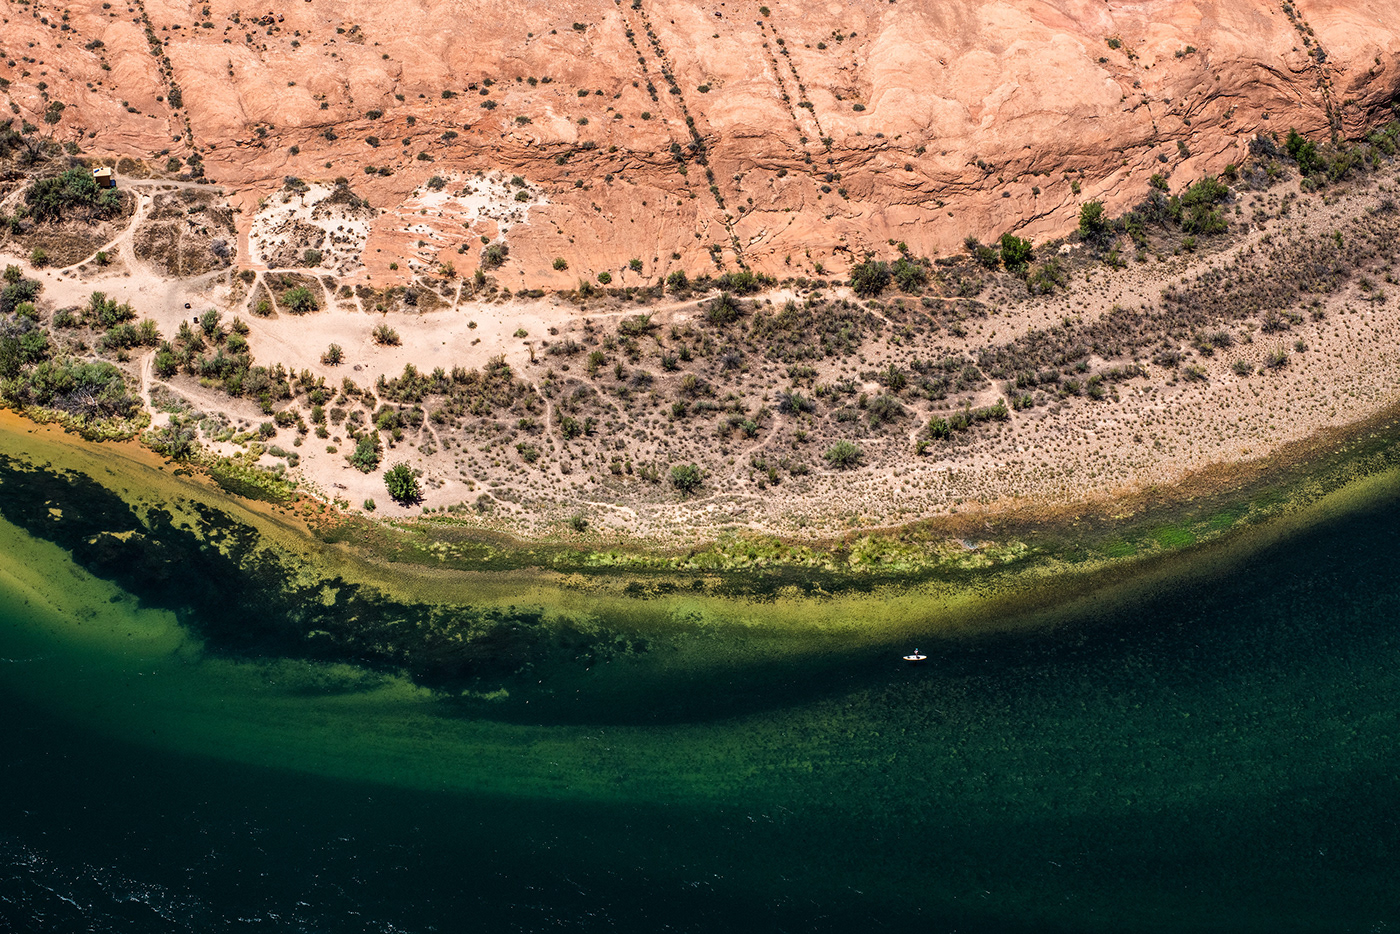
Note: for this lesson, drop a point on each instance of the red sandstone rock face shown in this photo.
(829, 128)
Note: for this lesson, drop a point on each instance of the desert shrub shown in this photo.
(870, 278)
(791, 402)
(909, 276)
(560, 263)
(635, 325)
(843, 455)
(103, 311)
(1303, 151)
(884, 408)
(333, 355)
(1195, 210)
(365, 457)
(1047, 277)
(311, 258)
(986, 256)
(1016, 253)
(687, 478)
(299, 300)
(402, 484)
(175, 439)
(722, 310)
(741, 282)
(494, 255)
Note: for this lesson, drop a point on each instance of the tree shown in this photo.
(1016, 253)
(843, 455)
(209, 323)
(402, 484)
(687, 478)
(333, 355)
(870, 278)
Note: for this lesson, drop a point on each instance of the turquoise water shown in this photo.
(1213, 748)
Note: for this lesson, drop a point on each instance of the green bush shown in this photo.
(366, 454)
(843, 455)
(986, 256)
(723, 310)
(76, 387)
(175, 440)
(742, 282)
(17, 292)
(402, 484)
(870, 278)
(687, 478)
(299, 300)
(911, 277)
(1094, 226)
(1303, 151)
(494, 255)
(1016, 253)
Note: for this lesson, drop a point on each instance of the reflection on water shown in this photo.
(1209, 749)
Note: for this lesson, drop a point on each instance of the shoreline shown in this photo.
(1162, 519)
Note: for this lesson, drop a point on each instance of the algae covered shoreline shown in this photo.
(470, 616)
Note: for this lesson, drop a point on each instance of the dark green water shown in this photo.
(1213, 750)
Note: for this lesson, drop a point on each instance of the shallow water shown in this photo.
(1209, 747)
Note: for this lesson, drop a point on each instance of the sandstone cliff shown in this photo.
(791, 135)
